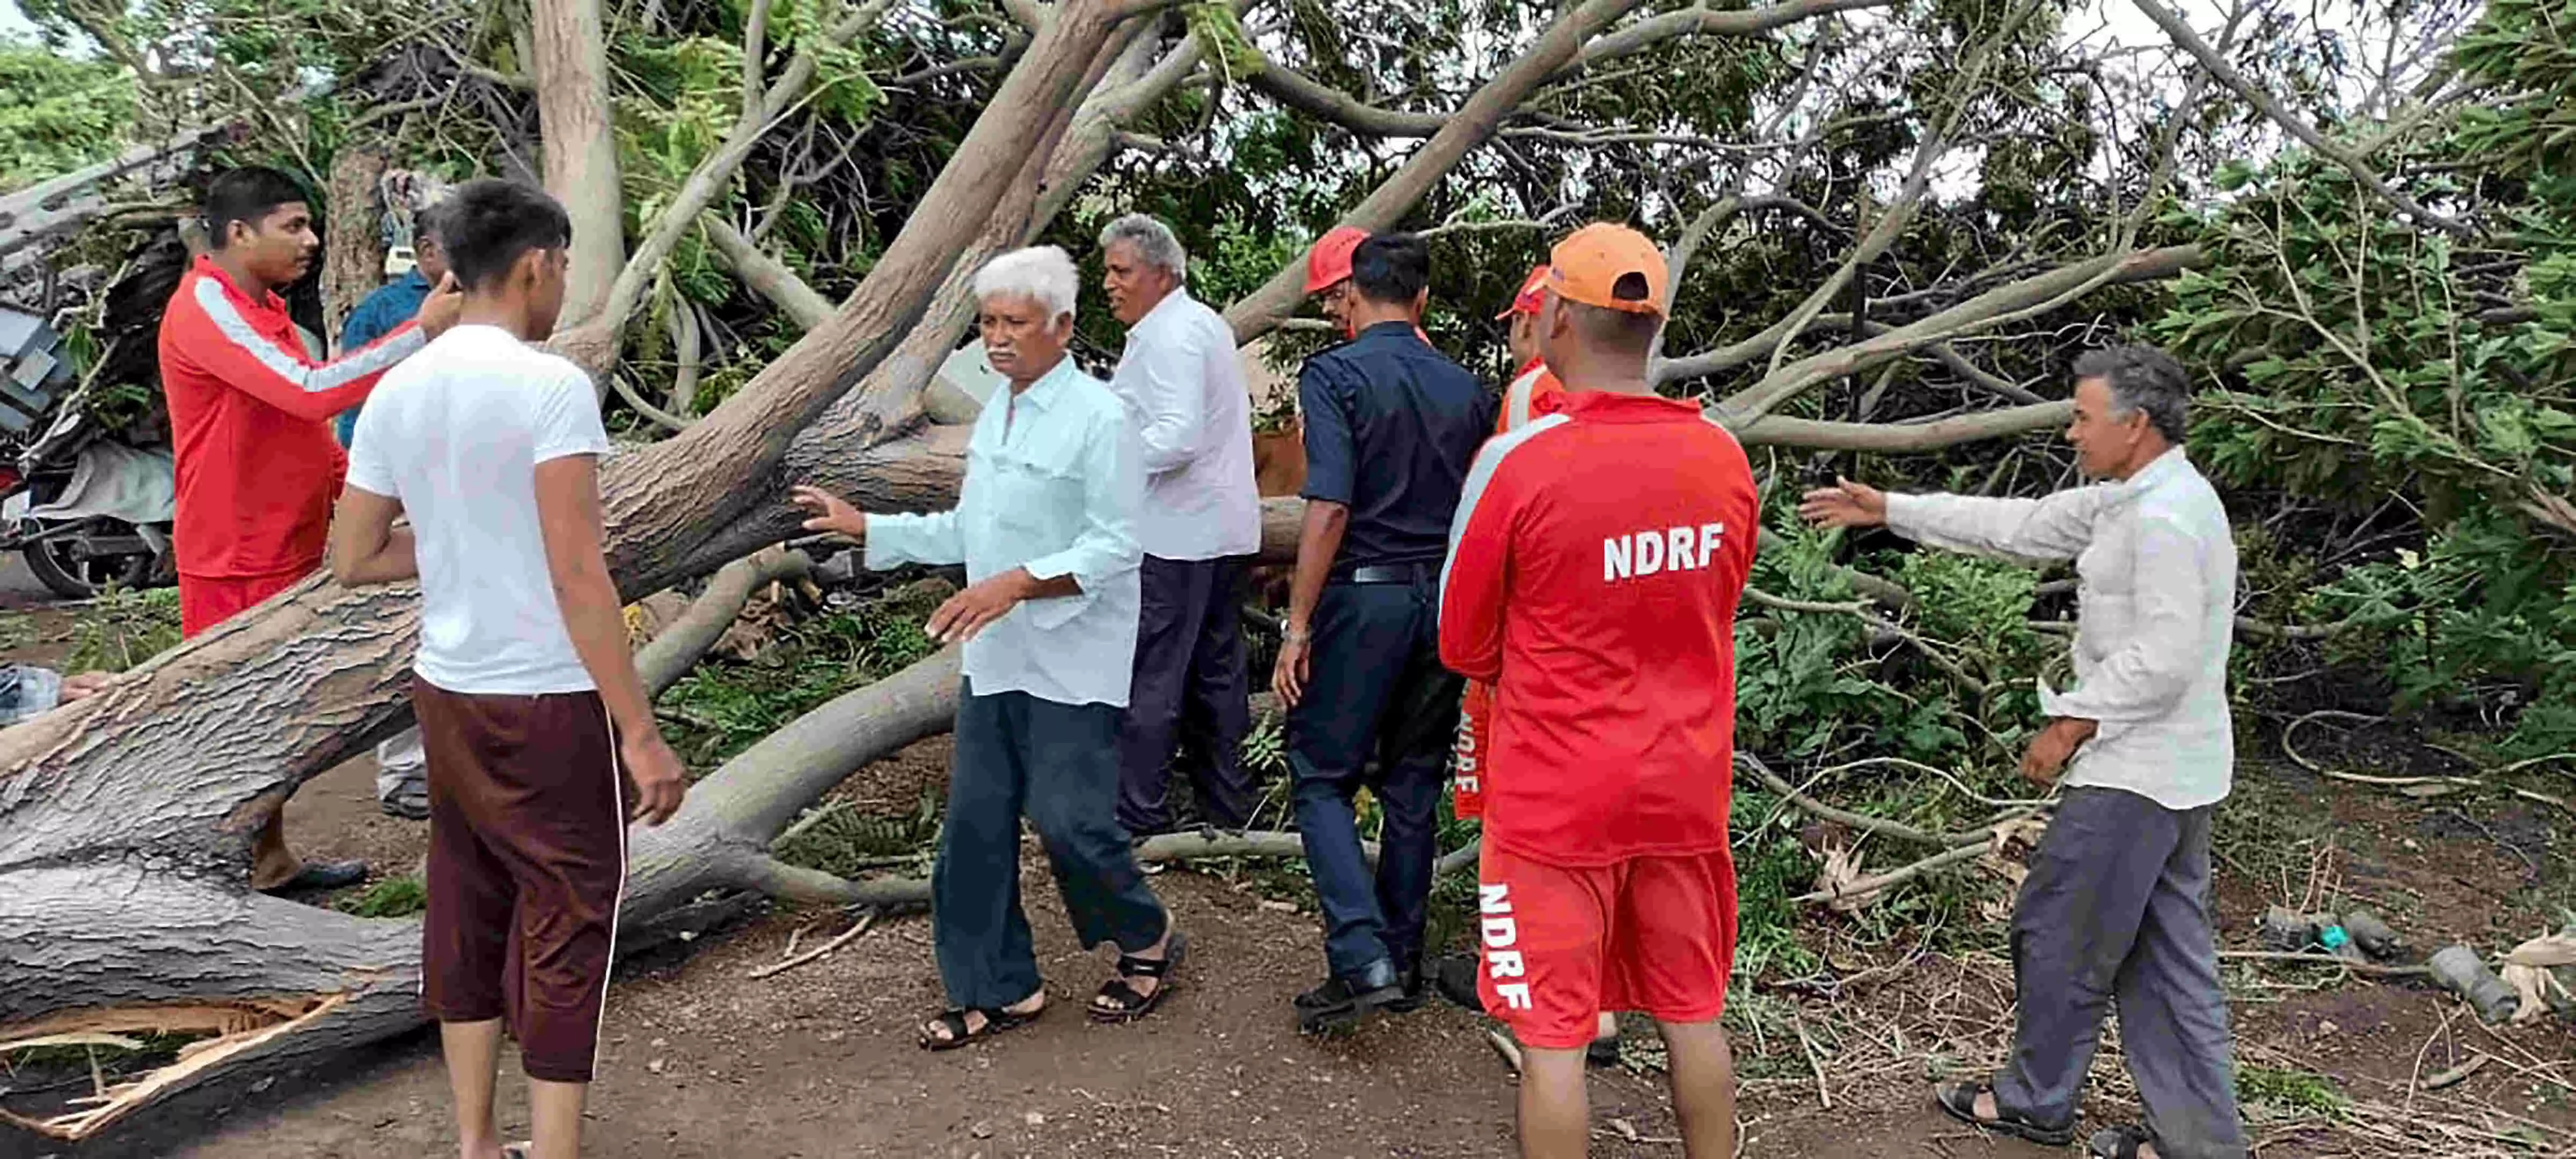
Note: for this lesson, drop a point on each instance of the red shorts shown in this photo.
(1561, 945)
(205, 602)
(1475, 739)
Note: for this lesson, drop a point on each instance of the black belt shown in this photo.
(1386, 573)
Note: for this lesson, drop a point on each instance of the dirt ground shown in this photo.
(701, 1060)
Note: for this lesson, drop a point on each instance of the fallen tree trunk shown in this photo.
(125, 818)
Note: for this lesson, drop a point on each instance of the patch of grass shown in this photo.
(2291, 1090)
(394, 897)
(123, 628)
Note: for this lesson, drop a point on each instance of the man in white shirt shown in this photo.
(1044, 524)
(1186, 396)
(528, 699)
(2118, 898)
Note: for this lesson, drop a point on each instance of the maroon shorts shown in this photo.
(527, 855)
(1561, 945)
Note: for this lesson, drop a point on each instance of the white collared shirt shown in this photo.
(2156, 615)
(1185, 393)
(1052, 485)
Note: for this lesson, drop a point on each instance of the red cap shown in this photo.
(1533, 294)
(1329, 263)
(1595, 264)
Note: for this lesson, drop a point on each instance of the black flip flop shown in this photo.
(2121, 1142)
(1133, 1005)
(1959, 1101)
(996, 1020)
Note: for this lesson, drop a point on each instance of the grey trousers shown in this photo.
(2118, 903)
(1059, 764)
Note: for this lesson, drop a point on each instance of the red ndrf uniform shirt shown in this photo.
(250, 416)
(1594, 569)
(1533, 393)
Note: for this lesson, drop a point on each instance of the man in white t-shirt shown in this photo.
(528, 698)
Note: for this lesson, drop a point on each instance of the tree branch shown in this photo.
(1905, 438)
(2190, 42)
(1475, 122)
(679, 645)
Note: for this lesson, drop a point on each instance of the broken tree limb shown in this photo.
(1844, 817)
(676, 648)
(1906, 438)
(593, 343)
(867, 920)
(1871, 886)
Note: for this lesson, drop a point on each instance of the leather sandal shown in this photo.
(1119, 1003)
(996, 1020)
(1959, 1101)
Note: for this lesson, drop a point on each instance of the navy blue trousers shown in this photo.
(1375, 689)
(1059, 764)
(1188, 709)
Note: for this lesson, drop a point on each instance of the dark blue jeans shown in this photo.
(1375, 688)
(1059, 763)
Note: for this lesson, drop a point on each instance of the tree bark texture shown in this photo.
(573, 113)
(353, 264)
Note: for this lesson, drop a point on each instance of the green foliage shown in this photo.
(724, 707)
(58, 113)
(123, 628)
(847, 843)
(2362, 360)
(394, 897)
(1265, 748)
(2291, 1090)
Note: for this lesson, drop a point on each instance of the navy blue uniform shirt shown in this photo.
(1391, 428)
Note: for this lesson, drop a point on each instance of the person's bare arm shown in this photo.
(568, 514)
(366, 547)
(1318, 542)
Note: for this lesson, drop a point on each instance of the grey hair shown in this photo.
(2143, 378)
(1043, 273)
(1153, 240)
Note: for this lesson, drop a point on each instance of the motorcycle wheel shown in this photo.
(61, 567)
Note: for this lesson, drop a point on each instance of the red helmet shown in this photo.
(1329, 263)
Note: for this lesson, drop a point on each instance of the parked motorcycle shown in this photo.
(86, 507)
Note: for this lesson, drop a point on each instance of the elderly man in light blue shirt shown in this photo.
(1044, 523)
(2117, 903)
(1185, 394)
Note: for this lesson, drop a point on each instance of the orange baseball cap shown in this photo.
(1532, 295)
(1329, 263)
(1610, 266)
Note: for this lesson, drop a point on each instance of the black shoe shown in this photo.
(1415, 993)
(1454, 976)
(1343, 1000)
(320, 877)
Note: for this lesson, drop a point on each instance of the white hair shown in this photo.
(1043, 274)
(1153, 240)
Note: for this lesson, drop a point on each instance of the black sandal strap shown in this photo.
(1131, 966)
(1127, 997)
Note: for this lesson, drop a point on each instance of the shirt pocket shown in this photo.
(2105, 592)
(1036, 494)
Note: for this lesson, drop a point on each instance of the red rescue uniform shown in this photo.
(1598, 557)
(250, 416)
(1533, 393)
